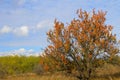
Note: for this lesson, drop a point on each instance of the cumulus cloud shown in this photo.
(21, 52)
(18, 31)
(21, 31)
(5, 29)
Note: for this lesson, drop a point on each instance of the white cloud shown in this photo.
(18, 31)
(31, 50)
(21, 31)
(44, 24)
(5, 29)
(24, 30)
(21, 51)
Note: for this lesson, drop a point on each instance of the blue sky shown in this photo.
(24, 23)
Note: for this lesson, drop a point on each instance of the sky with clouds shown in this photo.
(24, 23)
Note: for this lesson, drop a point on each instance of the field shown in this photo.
(58, 76)
(12, 65)
(103, 75)
(23, 68)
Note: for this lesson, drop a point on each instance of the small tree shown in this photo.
(85, 43)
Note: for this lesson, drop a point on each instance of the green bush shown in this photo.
(17, 64)
(3, 71)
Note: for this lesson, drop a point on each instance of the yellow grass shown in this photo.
(107, 72)
(41, 77)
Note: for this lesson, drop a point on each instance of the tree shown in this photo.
(86, 43)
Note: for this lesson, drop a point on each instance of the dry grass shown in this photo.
(56, 76)
(107, 72)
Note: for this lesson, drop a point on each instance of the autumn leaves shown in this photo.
(80, 42)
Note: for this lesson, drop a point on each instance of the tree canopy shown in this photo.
(82, 42)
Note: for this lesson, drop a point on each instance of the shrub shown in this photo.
(87, 42)
(38, 69)
(17, 64)
(3, 71)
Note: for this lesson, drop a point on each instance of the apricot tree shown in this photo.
(86, 43)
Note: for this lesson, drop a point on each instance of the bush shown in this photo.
(3, 71)
(17, 64)
(38, 69)
(86, 41)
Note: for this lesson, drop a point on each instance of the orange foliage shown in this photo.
(81, 42)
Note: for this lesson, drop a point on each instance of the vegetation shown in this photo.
(107, 72)
(110, 71)
(85, 49)
(10, 65)
(83, 45)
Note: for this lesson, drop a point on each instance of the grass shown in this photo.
(56, 76)
(15, 64)
(107, 72)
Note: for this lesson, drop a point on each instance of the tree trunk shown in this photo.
(85, 75)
